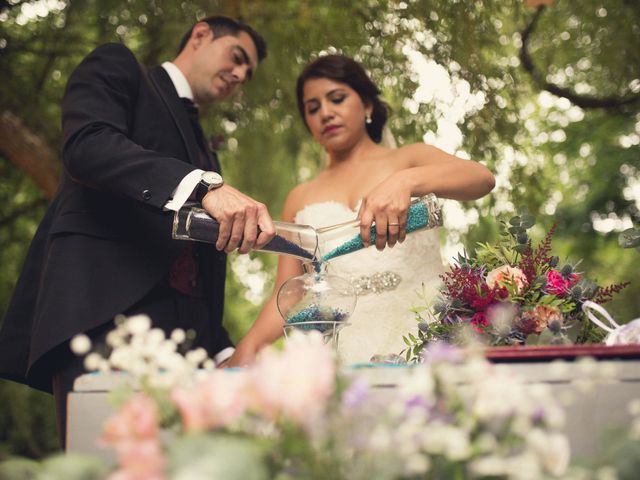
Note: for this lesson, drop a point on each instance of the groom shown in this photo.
(133, 153)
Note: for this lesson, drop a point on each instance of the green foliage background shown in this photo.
(563, 162)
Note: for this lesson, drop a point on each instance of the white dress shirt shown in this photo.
(186, 186)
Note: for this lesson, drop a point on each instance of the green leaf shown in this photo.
(629, 238)
(528, 221)
(521, 248)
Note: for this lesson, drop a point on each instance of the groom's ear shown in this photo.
(201, 32)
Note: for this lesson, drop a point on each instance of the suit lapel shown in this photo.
(163, 85)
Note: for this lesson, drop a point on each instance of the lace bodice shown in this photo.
(380, 319)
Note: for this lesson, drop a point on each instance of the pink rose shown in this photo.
(217, 401)
(559, 285)
(296, 382)
(140, 460)
(134, 432)
(539, 318)
(138, 418)
(507, 276)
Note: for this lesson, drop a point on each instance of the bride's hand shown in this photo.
(242, 357)
(386, 205)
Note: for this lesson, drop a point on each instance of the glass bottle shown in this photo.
(341, 239)
(300, 241)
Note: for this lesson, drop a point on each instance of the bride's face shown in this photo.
(334, 112)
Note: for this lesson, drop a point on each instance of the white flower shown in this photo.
(490, 466)
(114, 338)
(208, 364)
(178, 336)
(417, 464)
(197, 356)
(552, 450)
(137, 324)
(92, 362)
(80, 344)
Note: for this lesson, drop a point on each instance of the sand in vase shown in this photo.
(316, 313)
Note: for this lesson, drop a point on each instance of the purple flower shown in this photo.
(416, 402)
(356, 394)
(442, 352)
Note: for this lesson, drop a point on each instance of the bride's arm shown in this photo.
(268, 326)
(422, 169)
(431, 170)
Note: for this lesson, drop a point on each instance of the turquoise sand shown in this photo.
(417, 218)
(315, 313)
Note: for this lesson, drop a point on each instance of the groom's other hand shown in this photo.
(245, 223)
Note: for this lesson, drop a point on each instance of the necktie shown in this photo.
(194, 119)
(184, 274)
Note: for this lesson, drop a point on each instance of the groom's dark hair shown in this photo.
(346, 70)
(222, 26)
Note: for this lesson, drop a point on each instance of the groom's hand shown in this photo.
(245, 224)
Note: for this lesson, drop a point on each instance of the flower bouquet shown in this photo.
(511, 293)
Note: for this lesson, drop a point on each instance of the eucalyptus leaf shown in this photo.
(521, 248)
(629, 238)
(528, 221)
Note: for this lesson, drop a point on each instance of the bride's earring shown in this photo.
(367, 118)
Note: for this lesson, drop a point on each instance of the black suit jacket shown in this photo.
(105, 241)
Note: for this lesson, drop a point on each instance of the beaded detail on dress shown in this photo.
(376, 283)
(381, 319)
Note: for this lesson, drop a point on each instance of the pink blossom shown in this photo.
(507, 276)
(140, 459)
(559, 285)
(217, 401)
(296, 382)
(134, 432)
(137, 419)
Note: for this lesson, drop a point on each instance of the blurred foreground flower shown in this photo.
(294, 415)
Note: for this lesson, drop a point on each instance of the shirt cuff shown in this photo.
(184, 190)
(223, 355)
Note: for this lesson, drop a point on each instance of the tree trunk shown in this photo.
(29, 152)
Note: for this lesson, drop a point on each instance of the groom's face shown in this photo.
(221, 65)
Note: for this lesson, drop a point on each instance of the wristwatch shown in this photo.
(208, 181)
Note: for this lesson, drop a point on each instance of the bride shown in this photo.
(342, 110)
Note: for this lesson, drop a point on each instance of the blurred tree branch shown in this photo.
(582, 101)
(29, 152)
(23, 209)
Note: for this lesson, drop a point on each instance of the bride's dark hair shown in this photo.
(346, 70)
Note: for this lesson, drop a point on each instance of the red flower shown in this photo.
(559, 285)
(480, 319)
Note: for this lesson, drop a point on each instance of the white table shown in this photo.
(591, 413)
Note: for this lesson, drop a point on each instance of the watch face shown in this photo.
(212, 179)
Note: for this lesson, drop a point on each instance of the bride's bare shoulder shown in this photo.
(297, 198)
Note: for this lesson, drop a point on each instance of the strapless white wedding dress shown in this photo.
(381, 317)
